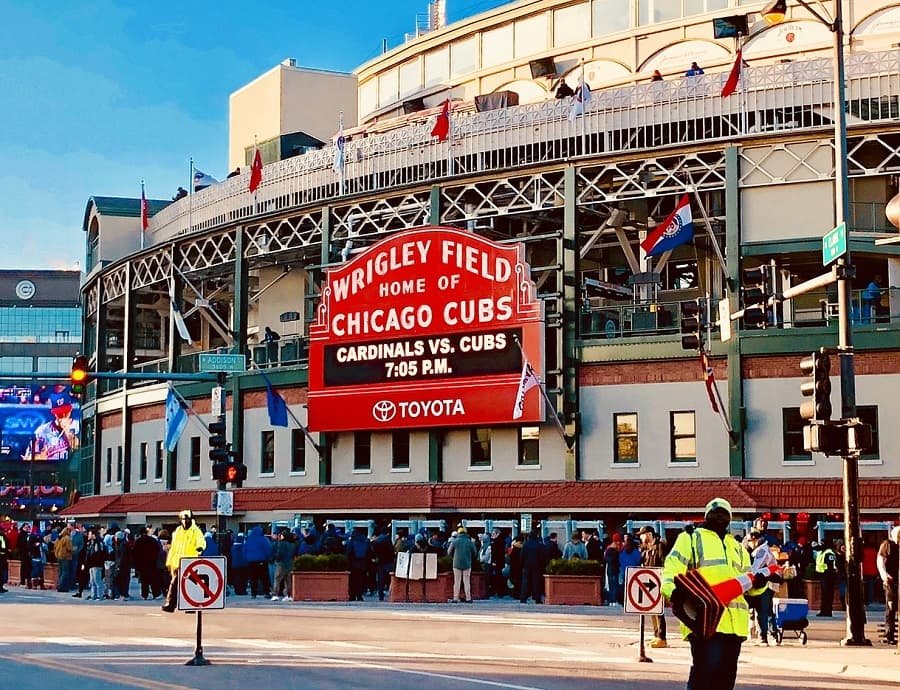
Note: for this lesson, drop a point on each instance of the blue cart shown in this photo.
(791, 615)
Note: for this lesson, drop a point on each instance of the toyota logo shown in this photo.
(384, 411)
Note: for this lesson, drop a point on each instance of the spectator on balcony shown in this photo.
(563, 90)
(695, 70)
(180, 194)
(234, 173)
(657, 75)
(871, 300)
(271, 339)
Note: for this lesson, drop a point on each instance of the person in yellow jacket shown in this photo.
(187, 542)
(721, 557)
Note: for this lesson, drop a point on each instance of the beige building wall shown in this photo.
(289, 99)
(787, 211)
(285, 295)
(119, 236)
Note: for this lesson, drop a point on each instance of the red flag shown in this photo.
(256, 172)
(145, 210)
(735, 76)
(441, 128)
(710, 380)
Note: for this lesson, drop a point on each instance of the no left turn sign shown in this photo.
(643, 591)
(201, 584)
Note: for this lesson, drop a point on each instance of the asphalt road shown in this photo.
(51, 640)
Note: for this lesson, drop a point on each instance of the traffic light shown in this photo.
(756, 289)
(232, 470)
(817, 387)
(80, 375)
(218, 446)
(691, 325)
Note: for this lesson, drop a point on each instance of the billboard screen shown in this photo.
(428, 328)
(40, 422)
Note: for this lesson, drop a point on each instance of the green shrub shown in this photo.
(328, 563)
(558, 566)
(445, 564)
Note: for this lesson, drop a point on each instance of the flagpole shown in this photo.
(709, 232)
(568, 441)
(191, 197)
(255, 149)
(143, 197)
(343, 144)
(739, 40)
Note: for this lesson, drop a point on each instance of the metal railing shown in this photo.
(631, 320)
(868, 216)
(289, 351)
(791, 96)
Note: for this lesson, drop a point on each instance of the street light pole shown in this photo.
(774, 12)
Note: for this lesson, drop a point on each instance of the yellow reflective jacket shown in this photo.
(719, 560)
(186, 543)
(822, 561)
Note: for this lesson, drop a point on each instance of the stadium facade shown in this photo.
(574, 193)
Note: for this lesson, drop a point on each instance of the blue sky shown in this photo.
(100, 94)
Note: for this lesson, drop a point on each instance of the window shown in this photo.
(267, 452)
(109, 465)
(792, 424)
(531, 35)
(868, 414)
(388, 87)
(194, 472)
(368, 96)
(572, 24)
(410, 77)
(497, 46)
(625, 441)
(692, 7)
(611, 16)
(362, 450)
(463, 57)
(481, 448)
(653, 11)
(298, 450)
(160, 457)
(400, 450)
(530, 445)
(683, 436)
(437, 66)
(120, 461)
(142, 464)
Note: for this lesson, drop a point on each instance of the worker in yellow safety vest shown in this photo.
(187, 542)
(720, 557)
(826, 567)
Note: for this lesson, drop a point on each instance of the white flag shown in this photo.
(340, 145)
(176, 420)
(528, 381)
(202, 180)
(177, 316)
(582, 97)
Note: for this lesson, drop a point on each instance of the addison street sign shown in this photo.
(422, 330)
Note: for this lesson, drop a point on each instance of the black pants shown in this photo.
(827, 593)
(25, 570)
(531, 585)
(890, 611)
(151, 582)
(714, 662)
(259, 578)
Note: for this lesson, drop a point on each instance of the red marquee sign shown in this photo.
(432, 327)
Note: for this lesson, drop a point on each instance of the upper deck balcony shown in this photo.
(795, 97)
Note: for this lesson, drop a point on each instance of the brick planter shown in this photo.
(435, 591)
(479, 586)
(15, 570)
(51, 573)
(573, 590)
(813, 590)
(320, 586)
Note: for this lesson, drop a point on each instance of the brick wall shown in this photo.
(292, 396)
(788, 366)
(111, 421)
(657, 371)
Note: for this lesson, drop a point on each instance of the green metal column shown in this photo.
(435, 206)
(100, 349)
(324, 439)
(239, 331)
(568, 258)
(736, 465)
(127, 364)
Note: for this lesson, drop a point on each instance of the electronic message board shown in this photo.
(428, 328)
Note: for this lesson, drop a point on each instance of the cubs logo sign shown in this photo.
(428, 328)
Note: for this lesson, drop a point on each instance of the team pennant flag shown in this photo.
(674, 231)
(528, 381)
(176, 420)
(256, 172)
(441, 128)
(710, 380)
(202, 180)
(275, 404)
(177, 316)
(734, 76)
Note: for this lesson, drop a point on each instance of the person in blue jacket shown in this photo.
(258, 552)
(237, 566)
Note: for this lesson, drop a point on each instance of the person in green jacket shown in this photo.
(462, 550)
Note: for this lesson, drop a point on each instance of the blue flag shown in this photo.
(278, 413)
(176, 420)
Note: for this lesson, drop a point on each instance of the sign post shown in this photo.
(201, 587)
(643, 596)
